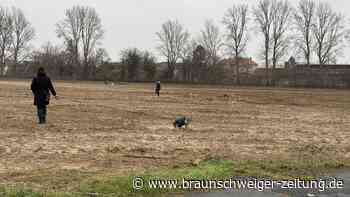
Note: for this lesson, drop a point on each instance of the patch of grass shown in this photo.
(286, 169)
(23, 192)
(121, 186)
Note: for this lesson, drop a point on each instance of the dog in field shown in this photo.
(182, 122)
(107, 82)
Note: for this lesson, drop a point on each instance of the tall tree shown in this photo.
(70, 29)
(91, 34)
(173, 39)
(263, 14)
(282, 11)
(236, 22)
(212, 42)
(188, 67)
(304, 17)
(6, 28)
(329, 32)
(23, 33)
(81, 30)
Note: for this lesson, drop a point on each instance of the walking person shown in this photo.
(158, 88)
(41, 87)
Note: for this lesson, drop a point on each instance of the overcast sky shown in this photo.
(133, 23)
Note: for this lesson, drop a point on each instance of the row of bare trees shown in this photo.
(313, 28)
(60, 62)
(81, 31)
(15, 34)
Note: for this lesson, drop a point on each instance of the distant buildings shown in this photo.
(303, 75)
(246, 65)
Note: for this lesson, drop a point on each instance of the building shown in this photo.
(303, 75)
(246, 65)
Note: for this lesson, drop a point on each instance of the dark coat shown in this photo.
(158, 87)
(41, 87)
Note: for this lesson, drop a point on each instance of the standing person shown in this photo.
(41, 87)
(158, 88)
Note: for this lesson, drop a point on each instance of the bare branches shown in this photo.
(211, 40)
(6, 29)
(235, 21)
(328, 32)
(173, 39)
(304, 17)
(81, 30)
(91, 33)
(70, 30)
(273, 18)
(15, 34)
(263, 15)
(23, 33)
(282, 11)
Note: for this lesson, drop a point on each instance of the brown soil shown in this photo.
(94, 128)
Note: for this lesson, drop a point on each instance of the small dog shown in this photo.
(182, 121)
(107, 82)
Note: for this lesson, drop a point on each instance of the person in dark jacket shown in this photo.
(158, 88)
(41, 87)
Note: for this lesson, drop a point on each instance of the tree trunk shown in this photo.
(308, 54)
(86, 67)
(2, 70)
(238, 82)
(267, 70)
(273, 70)
(170, 73)
(267, 62)
(14, 70)
(273, 74)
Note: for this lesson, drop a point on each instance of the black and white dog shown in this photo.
(182, 121)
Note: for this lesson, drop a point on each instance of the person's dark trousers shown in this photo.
(157, 92)
(42, 111)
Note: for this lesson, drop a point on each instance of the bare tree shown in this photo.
(81, 27)
(212, 42)
(70, 29)
(91, 34)
(263, 15)
(304, 17)
(188, 67)
(173, 39)
(53, 58)
(6, 27)
(282, 11)
(188, 49)
(23, 33)
(236, 22)
(329, 32)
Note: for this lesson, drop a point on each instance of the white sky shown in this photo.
(133, 23)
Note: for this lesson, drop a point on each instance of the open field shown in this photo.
(96, 130)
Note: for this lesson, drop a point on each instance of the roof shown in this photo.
(241, 60)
